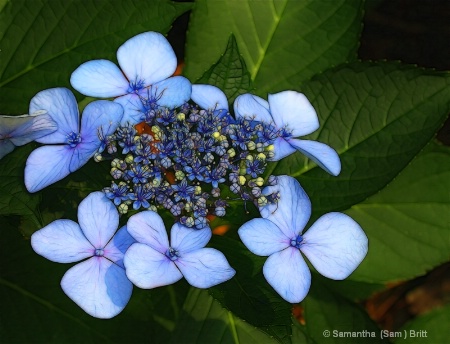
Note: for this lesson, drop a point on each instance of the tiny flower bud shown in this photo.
(129, 159)
(242, 180)
(181, 116)
(98, 157)
(262, 201)
(179, 175)
(123, 208)
(251, 145)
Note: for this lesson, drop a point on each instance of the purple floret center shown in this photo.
(73, 139)
(297, 241)
(99, 252)
(172, 254)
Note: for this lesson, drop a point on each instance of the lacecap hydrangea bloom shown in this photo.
(71, 145)
(142, 83)
(98, 284)
(20, 130)
(335, 244)
(293, 114)
(153, 262)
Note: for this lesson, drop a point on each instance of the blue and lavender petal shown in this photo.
(99, 78)
(286, 271)
(335, 245)
(98, 286)
(209, 97)
(61, 105)
(62, 241)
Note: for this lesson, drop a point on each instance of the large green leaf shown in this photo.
(43, 41)
(408, 222)
(377, 116)
(427, 328)
(229, 73)
(330, 318)
(14, 197)
(283, 42)
(204, 320)
(248, 295)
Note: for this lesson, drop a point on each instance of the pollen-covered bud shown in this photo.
(242, 180)
(231, 152)
(129, 159)
(181, 116)
(251, 145)
(179, 175)
(123, 208)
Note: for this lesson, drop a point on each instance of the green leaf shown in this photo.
(229, 73)
(428, 328)
(282, 42)
(324, 310)
(407, 223)
(248, 295)
(204, 320)
(44, 41)
(14, 197)
(377, 116)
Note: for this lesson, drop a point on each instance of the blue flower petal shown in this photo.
(205, 267)
(293, 210)
(147, 57)
(172, 92)
(98, 218)
(288, 274)
(250, 106)
(62, 241)
(209, 97)
(281, 149)
(100, 115)
(322, 154)
(335, 245)
(262, 237)
(99, 78)
(148, 268)
(23, 129)
(6, 147)
(147, 227)
(293, 110)
(62, 107)
(98, 286)
(133, 110)
(46, 165)
(116, 248)
(186, 239)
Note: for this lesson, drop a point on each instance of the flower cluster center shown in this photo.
(73, 139)
(297, 241)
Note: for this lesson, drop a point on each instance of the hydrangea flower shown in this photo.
(72, 146)
(153, 262)
(98, 284)
(19, 130)
(142, 84)
(291, 111)
(335, 244)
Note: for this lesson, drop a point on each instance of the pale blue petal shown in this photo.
(263, 237)
(147, 227)
(46, 165)
(99, 116)
(62, 107)
(335, 245)
(62, 241)
(133, 110)
(148, 268)
(82, 153)
(172, 92)
(98, 286)
(24, 129)
(281, 149)
(6, 147)
(147, 57)
(293, 210)
(116, 248)
(205, 268)
(209, 97)
(293, 110)
(186, 239)
(322, 154)
(288, 274)
(250, 106)
(98, 218)
(99, 78)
